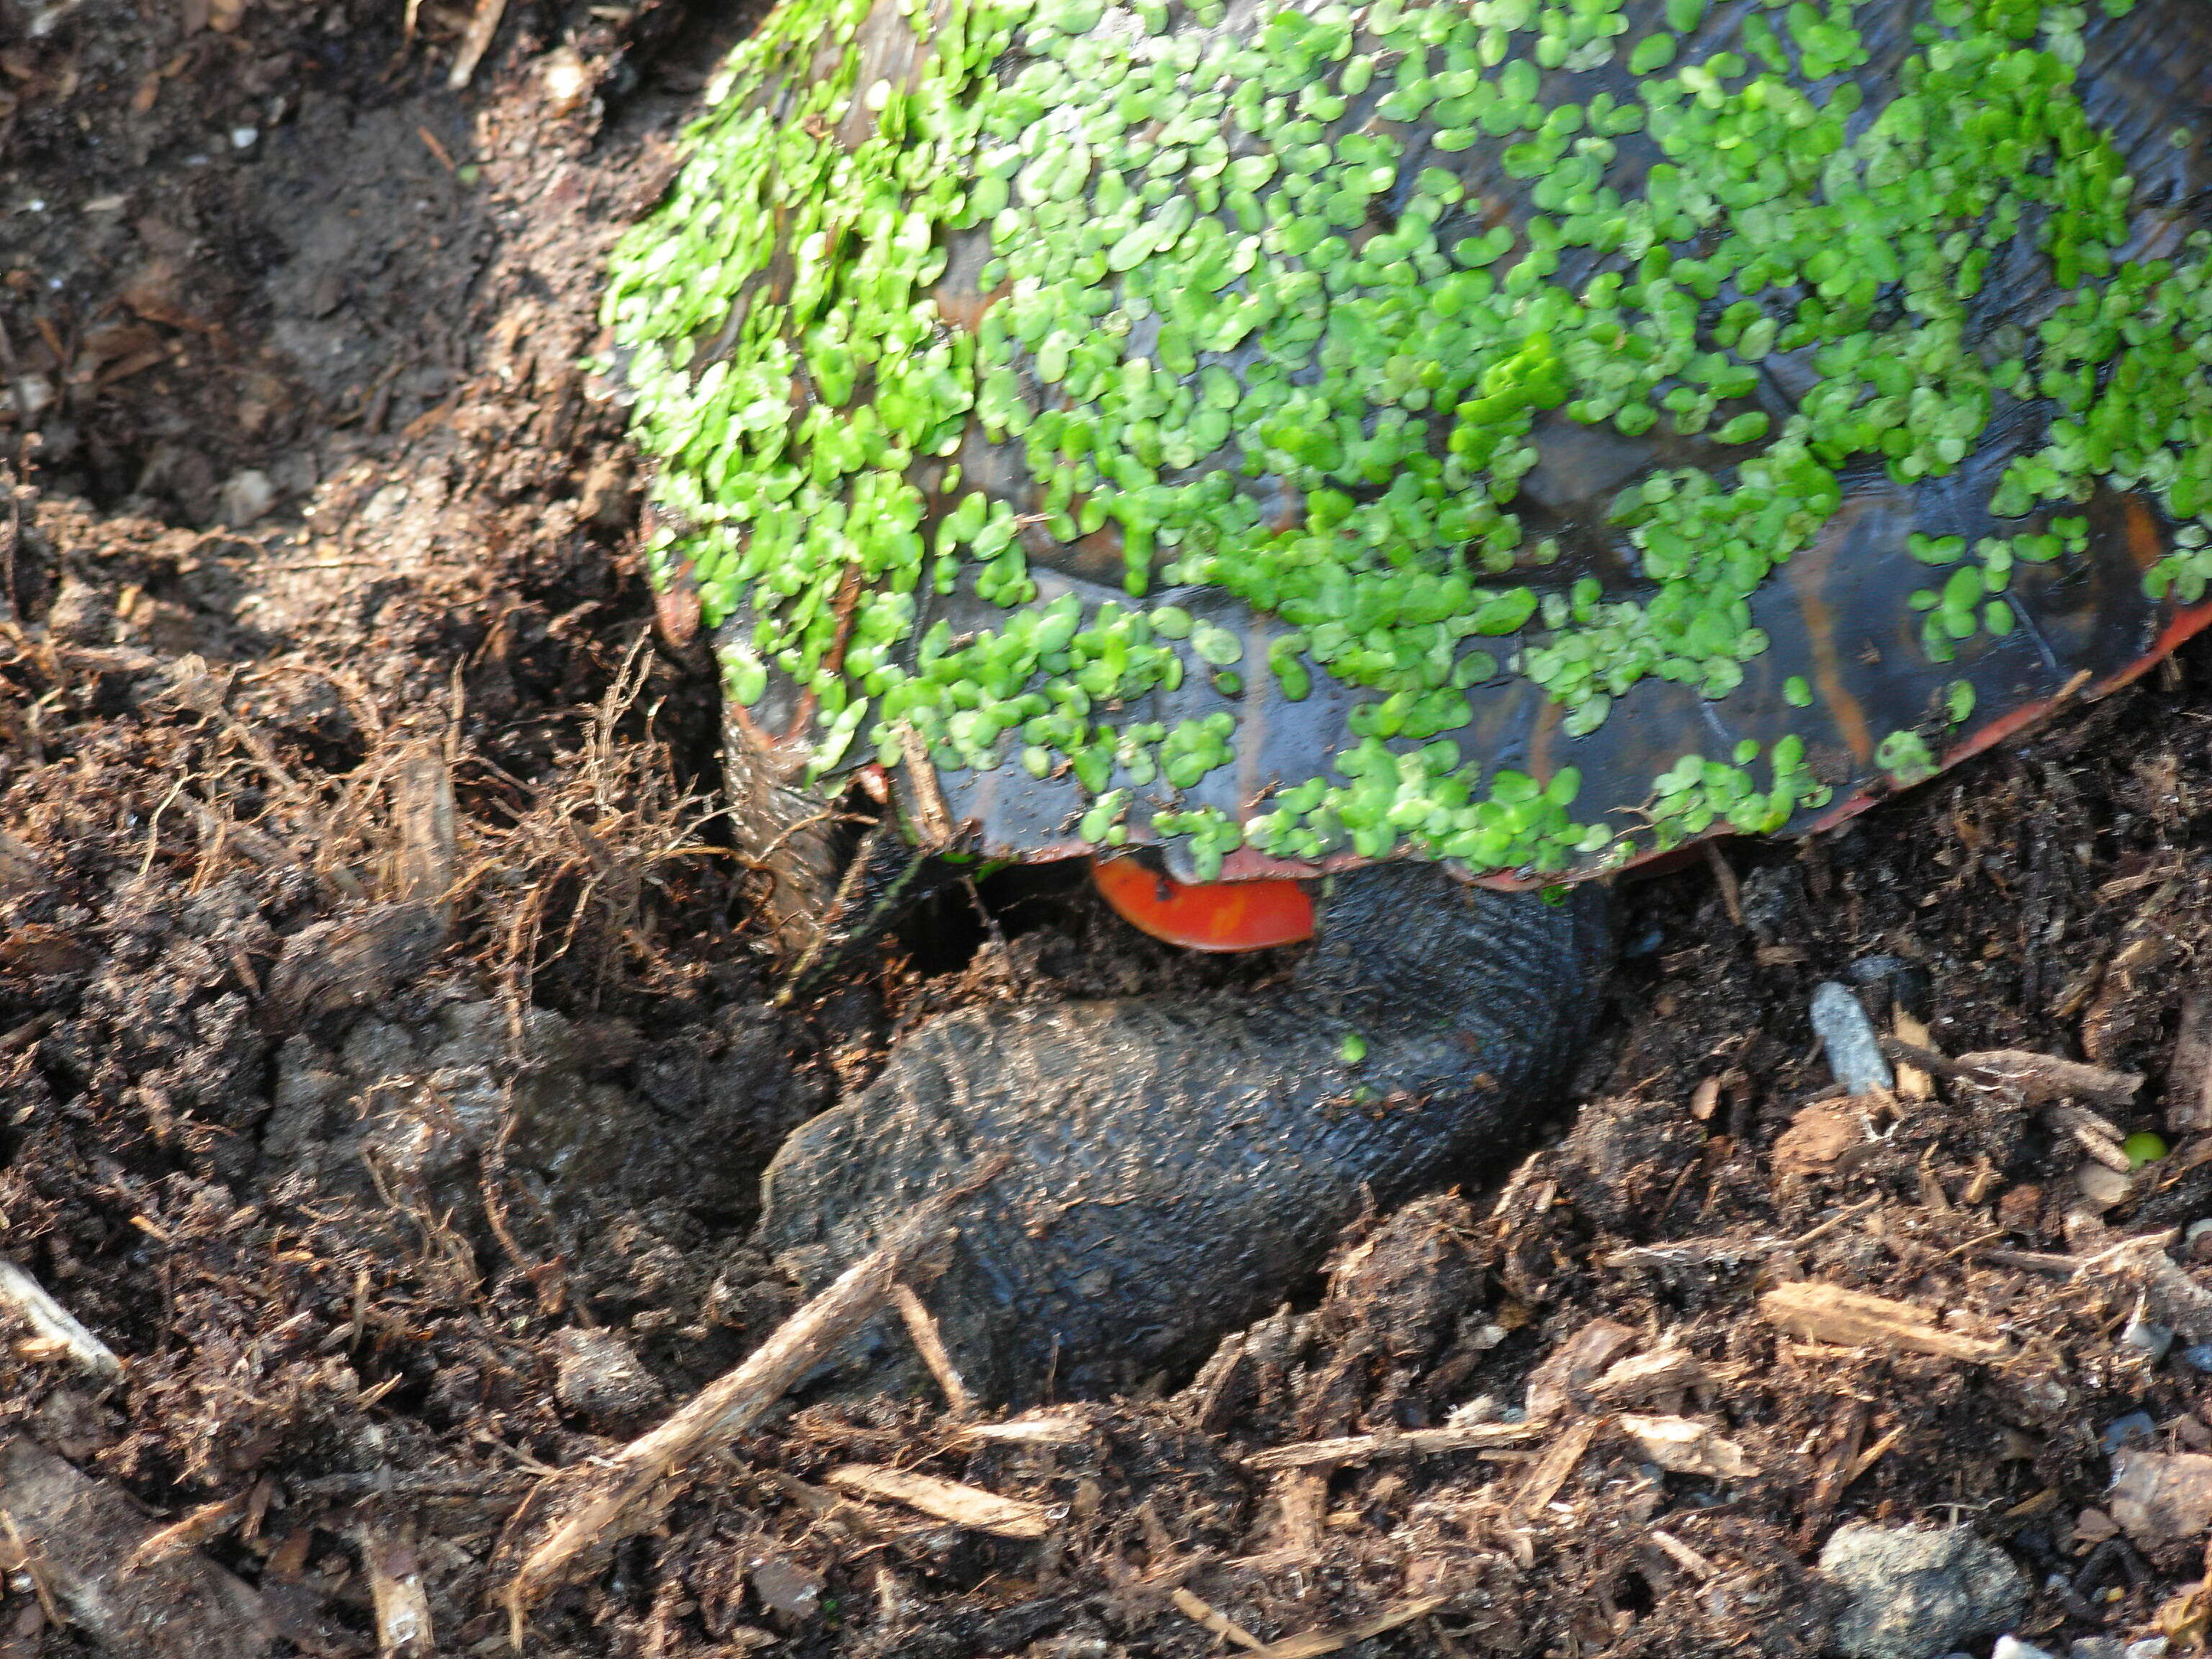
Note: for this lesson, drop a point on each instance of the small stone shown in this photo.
(2093, 1527)
(785, 1588)
(244, 138)
(601, 1377)
(1914, 1593)
(2197, 1356)
(568, 79)
(81, 614)
(2161, 1497)
(2020, 1209)
(2102, 1186)
(2097, 1647)
(2011, 1647)
(2151, 1647)
(246, 496)
(33, 392)
(1848, 1036)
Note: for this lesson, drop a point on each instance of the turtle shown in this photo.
(1375, 472)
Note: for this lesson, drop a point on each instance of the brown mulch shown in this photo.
(386, 1060)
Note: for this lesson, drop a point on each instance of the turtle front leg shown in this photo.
(1176, 1167)
(835, 878)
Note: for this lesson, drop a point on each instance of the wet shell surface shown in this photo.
(1526, 432)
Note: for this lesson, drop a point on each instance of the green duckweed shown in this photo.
(2143, 1147)
(1210, 259)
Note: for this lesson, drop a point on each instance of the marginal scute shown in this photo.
(1325, 430)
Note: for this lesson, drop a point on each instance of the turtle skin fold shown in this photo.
(1174, 1170)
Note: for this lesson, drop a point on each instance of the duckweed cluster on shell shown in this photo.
(1180, 306)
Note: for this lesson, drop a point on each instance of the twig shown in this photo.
(1414, 1442)
(615, 1497)
(1314, 1644)
(2037, 1078)
(27, 1563)
(1210, 1619)
(1724, 878)
(24, 1297)
(922, 1327)
(1689, 1252)
(1872, 1455)
(475, 40)
(2037, 1260)
(1698, 1566)
(181, 1537)
(1828, 1313)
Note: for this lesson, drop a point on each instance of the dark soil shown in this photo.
(386, 1058)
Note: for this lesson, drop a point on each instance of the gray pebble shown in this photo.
(1914, 1593)
(1848, 1036)
(2136, 1425)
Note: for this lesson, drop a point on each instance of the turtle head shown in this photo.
(1215, 915)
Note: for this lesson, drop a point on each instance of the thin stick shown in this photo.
(475, 40)
(24, 1297)
(617, 1497)
(1210, 1617)
(1413, 1443)
(927, 1341)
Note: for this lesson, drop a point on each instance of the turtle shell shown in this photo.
(1528, 432)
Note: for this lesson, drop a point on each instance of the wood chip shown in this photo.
(946, 1500)
(426, 851)
(2189, 1078)
(396, 1595)
(1912, 1083)
(1822, 1139)
(1641, 1377)
(2093, 1134)
(1414, 1442)
(181, 1537)
(355, 960)
(1682, 1445)
(1571, 1368)
(1549, 1472)
(1301, 1497)
(1829, 1313)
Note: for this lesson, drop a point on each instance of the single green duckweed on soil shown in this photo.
(1255, 308)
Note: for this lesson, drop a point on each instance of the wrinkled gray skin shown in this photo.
(1177, 1169)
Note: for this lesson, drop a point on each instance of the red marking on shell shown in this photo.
(1219, 915)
